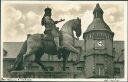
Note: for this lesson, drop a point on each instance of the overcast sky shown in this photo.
(20, 19)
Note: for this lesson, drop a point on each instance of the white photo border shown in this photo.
(70, 79)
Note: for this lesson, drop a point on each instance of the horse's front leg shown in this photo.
(64, 63)
(65, 59)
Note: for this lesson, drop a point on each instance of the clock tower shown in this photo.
(98, 42)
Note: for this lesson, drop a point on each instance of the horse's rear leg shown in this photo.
(26, 62)
(38, 61)
(18, 64)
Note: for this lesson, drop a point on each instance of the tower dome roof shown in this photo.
(98, 23)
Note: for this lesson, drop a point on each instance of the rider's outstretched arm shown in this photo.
(56, 22)
(59, 21)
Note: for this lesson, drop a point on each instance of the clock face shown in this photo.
(99, 44)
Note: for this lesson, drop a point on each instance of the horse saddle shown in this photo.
(50, 38)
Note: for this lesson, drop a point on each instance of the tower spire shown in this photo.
(98, 12)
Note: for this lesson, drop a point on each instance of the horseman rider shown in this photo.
(50, 26)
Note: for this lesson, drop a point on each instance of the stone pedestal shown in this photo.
(44, 74)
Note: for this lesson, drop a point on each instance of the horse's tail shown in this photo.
(18, 65)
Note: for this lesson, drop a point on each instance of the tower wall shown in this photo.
(98, 59)
(98, 47)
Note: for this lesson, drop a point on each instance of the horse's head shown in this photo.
(77, 26)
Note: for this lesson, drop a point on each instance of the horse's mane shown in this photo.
(69, 23)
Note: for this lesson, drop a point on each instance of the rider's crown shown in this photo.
(48, 9)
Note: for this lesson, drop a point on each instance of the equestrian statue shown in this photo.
(53, 42)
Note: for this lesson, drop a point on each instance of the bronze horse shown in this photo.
(37, 45)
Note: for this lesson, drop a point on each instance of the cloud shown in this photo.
(21, 25)
(114, 14)
(10, 21)
(17, 24)
(32, 18)
(23, 19)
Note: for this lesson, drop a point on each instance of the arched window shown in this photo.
(99, 69)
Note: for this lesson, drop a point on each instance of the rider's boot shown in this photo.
(56, 39)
